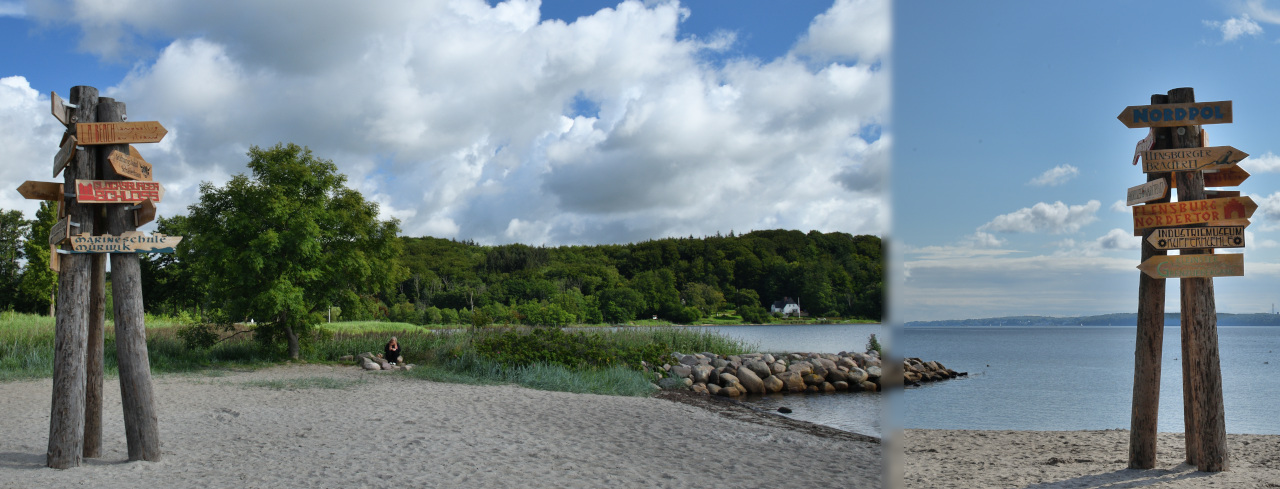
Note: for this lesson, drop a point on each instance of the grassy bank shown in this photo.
(596, 360)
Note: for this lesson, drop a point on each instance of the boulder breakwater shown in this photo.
(915, 371)
(762, 373)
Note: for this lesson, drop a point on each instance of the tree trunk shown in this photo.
(141, 426)
(294, 349)
(93, 362)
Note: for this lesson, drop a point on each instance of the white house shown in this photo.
(786, 306)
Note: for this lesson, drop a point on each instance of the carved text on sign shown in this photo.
(117, 191)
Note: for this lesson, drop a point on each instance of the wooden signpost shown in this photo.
(129, 242)
(1197, 237)
(1193, 212)
(131, 165)
(1184, 266)
(1147, 192)
(93, 133)
(32, 189)
(117, 191)
(1167, 160)
(1173, 115)
(75, 424)
(1178, 155)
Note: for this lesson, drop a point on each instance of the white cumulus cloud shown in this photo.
(1236, 27)
(1055, 218)
(1055, 176)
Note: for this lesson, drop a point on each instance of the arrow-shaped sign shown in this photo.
(90, 133)
(32, 189)
(58, 233)
(60, 110)
(145, 213)
(65, 154)
(1192, 212)
(1190, 266)
(117, 191)
(128, 242)
(1190, 159)
(1147, 192)
(1171, 115)
(1198, 237)
(130, 165)
(1230, 176)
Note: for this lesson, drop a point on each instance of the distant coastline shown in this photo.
(1119, 319)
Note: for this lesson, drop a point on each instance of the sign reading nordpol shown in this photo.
(1192, 212)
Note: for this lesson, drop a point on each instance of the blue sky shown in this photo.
(1009, 161)
(564, 123)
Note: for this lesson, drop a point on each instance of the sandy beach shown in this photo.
(1077, 459)
(290, 427)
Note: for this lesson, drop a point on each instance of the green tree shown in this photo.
(282, 245)
(39, 282)
(13, 227)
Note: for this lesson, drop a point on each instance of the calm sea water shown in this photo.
(1078, 378)
(854, 412)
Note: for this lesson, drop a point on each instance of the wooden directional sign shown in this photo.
(58, 233)
(145, 213)
(1190, 159)
(89, 133)
(1189, 266)
(60, 110)
(1199, 237)
(32, 189)
(65, 154)
(130, 165)
(1230, 176)
(117, 191)
(1147, 192)
(1244, 223)
(129, 242)
(1221, 194)
(1192, 212)
(1171, 115)
(1144, 144)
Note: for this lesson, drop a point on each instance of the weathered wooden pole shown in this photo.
(141, 425)
(1200, 322)
(93, 359)
(1150, 340)
(66, 419)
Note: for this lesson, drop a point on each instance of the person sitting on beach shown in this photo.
(394, 354)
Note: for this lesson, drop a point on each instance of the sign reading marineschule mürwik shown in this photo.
(1192, 212)
(1201, 237)
(1147, 192)
(1171, 115)
(1191, 266)
(1190, 159)
(90, 133)
(117, 191)
(129, 242)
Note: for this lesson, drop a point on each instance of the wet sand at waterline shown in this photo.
(1082, 459)
(340, 426)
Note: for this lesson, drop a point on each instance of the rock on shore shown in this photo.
(915, 371)
(761, 373)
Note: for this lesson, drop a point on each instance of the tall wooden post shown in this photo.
(1200, 324)
(66, 419)
(1150, 341)
(93, 360)
(141, 426)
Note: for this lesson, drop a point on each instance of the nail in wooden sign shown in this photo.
(130, 165)
(65, 154)
(117, 191)
(1172, 115)
(1191, 266)
(1192, 212)
(90, 133)
(1199, 237)
(60, 110)
(58, 233)
(1147, 192)
(1190, 159)
(32, 189)
(129, 242)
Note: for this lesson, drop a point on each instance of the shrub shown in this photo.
(197, 336)
(874, 345)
